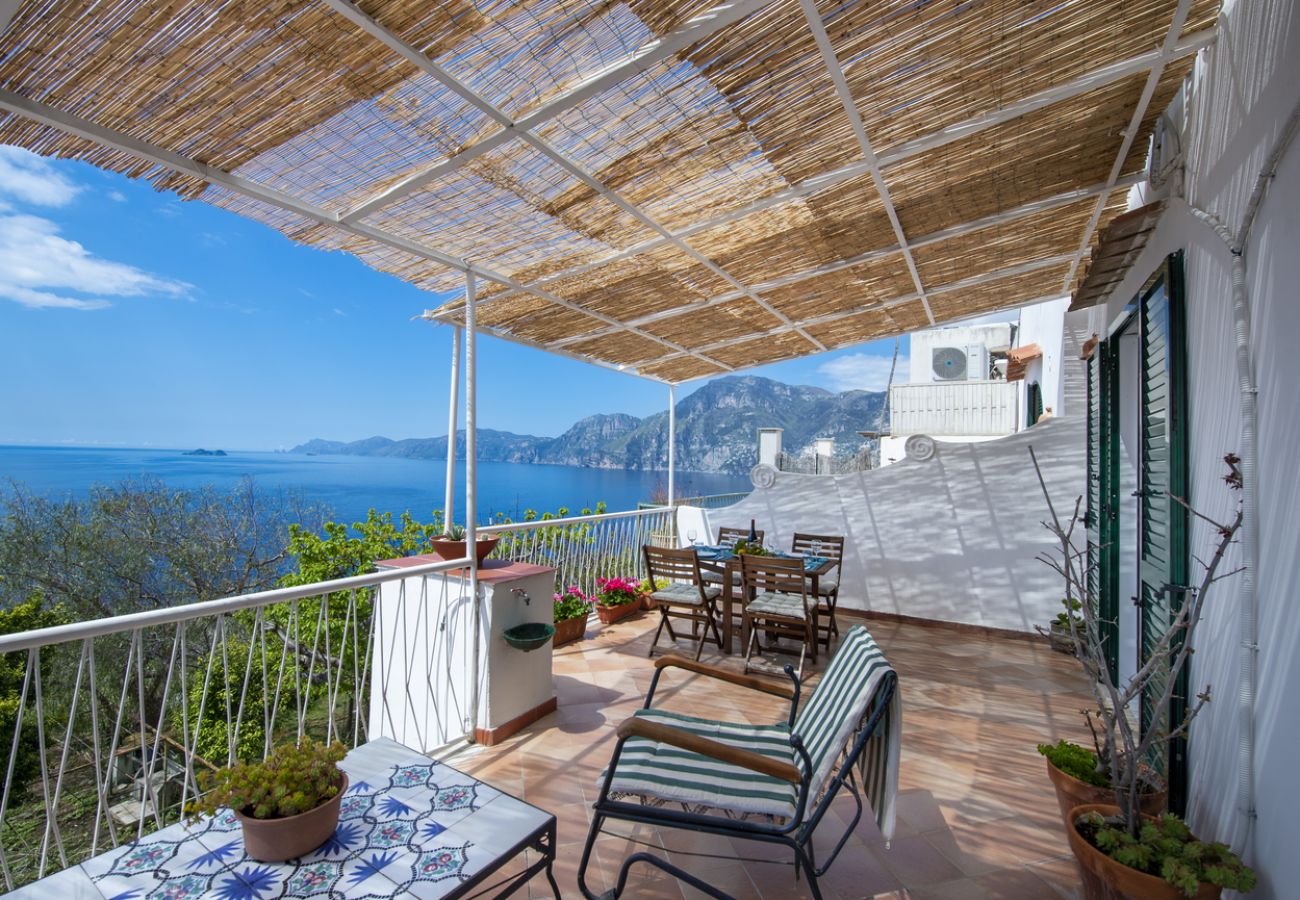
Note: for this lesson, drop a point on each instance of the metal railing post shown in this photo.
(471, 492)
(449, 500)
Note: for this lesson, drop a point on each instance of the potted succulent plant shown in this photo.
(1078, 779)
(287, 804)
(452, 544)
(618, 598)
(1122, 852)
(571, 610)
(1058, 631)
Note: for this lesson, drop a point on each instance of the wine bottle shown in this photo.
(753, 533)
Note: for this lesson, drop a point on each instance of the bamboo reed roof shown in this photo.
(670, 187)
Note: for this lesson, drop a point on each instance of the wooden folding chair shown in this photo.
(680, 593)
(828, 546)
(778, 603)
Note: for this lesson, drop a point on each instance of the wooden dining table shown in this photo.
(727, 564)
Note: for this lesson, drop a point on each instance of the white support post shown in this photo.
(449, 497)
(471, 495)
(672, 444)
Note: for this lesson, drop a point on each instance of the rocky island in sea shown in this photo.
(202, 452)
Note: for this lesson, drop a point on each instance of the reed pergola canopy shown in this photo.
(672, 188)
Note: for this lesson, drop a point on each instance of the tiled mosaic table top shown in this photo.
(408, 827)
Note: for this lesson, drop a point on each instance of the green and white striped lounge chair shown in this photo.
(769, 783)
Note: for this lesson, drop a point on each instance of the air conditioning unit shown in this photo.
(948, 363)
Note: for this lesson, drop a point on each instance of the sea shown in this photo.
(349, 486)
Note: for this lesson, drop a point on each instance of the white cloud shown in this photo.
(37, 265)
(32, 179)
(861, 372)
(117, 196)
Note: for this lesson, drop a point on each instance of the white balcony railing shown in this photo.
(583, 549)
(116, 717)
(954, 408)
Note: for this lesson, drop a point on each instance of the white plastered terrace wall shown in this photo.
(1245, 88)
(952, 538)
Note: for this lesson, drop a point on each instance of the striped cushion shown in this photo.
(665, 772)
(839, 702)
(680, 593)
(787, 606)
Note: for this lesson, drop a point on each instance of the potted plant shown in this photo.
(452, 545)
(1078, 779)
(1120, 851)
(750, 548)
(1058, 631)
(571, 610)
(287, 804)
(617, 599)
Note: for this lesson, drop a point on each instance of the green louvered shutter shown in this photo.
(1162, 540)
(1103, 497)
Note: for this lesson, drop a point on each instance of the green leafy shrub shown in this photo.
(1075, 761)
(1166, 848)
(292, 780)
(572, 604)
(1063, 618)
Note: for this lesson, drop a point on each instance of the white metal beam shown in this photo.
(449, 494)
(836, 72)
(411, 54)
(643, 58)
(431, 315)
(672, 446)
(1010, 215)
(84, 128)
(8, 9)
(1130, 134)
(894, 155)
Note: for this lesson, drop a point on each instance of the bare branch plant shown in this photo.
(1123, 751)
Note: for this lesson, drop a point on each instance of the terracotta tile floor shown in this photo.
(976, 814)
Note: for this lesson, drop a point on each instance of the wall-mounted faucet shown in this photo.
(522, 593)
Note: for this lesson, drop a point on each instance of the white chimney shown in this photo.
(769, 446)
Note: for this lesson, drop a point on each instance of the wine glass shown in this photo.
(815, 548)
(693, 536)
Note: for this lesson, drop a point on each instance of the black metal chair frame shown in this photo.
(682, 565)
(796, 833)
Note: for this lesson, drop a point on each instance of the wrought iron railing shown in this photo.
(703, 501)
(583, 549)
(116, 717)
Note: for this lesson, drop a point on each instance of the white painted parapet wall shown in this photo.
(952, 538)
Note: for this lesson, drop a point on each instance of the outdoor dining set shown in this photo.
(778, 594)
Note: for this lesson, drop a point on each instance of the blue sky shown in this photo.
(130, 318)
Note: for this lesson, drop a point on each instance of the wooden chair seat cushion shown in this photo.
(787, 606)
(679, 593)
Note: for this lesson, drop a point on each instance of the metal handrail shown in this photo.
(569, 520)
(58, 634)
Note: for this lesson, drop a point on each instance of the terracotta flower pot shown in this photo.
(275, 840)
(1071, 792)
(611, 614)
(1106, 879)
(445, 549)
(570, 630)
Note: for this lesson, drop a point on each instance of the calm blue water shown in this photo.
(350, 485)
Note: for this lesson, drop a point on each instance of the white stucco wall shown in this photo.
(951, 538)
(1247, 85)
(1041, 324)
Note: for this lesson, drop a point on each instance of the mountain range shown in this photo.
(717, 431)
